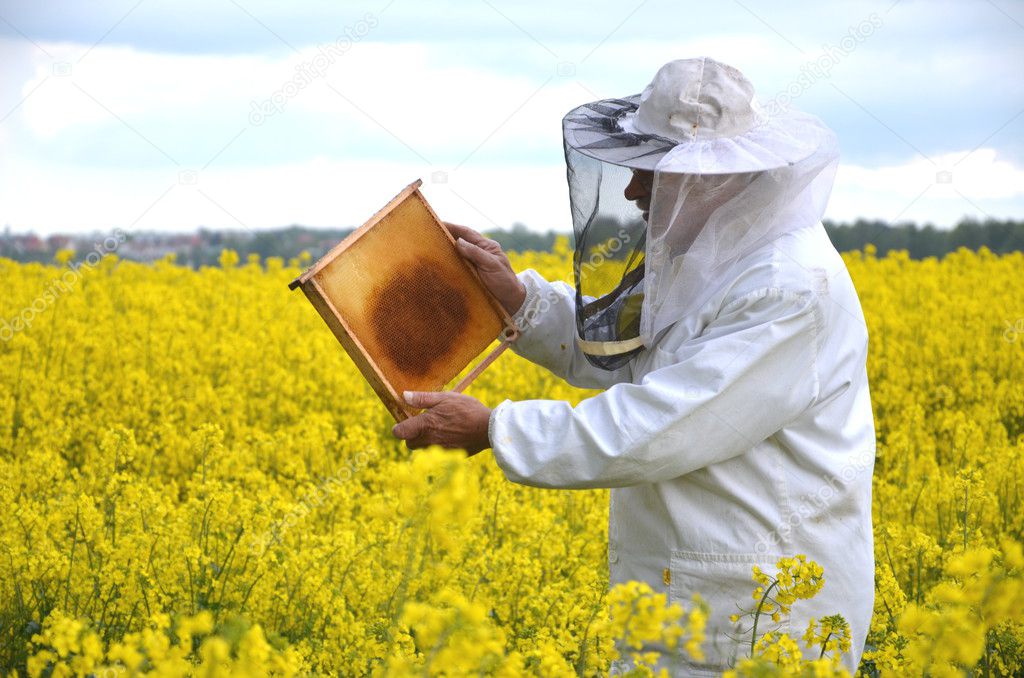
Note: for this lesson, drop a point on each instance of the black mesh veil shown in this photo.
(608, 262)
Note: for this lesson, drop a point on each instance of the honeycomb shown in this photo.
(407, 298)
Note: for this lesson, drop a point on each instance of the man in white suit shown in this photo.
(735, 424)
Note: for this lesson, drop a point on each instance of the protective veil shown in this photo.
(718, 177)
(735, 425)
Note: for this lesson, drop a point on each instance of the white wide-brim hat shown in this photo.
(698, 116)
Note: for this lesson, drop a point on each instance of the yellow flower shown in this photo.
(196, 479)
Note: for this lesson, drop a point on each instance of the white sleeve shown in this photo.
(751, 372)
(547, 324)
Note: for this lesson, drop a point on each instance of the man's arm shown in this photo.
(750, 373)
(547, 324)
(544, 312)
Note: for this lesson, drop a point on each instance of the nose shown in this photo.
(638, 186)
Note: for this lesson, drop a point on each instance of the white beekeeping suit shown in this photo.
(735, 426)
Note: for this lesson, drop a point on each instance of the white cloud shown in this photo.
(316, 193)
(70, 94)
(980, 174)
(436, 98)
(431, 97)
(427, 102)
(324, 192)
(939, 190)
(440, 109)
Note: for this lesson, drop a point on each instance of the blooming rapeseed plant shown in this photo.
(195, 478)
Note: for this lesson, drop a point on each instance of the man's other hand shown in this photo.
(453, 420)
(492, 264)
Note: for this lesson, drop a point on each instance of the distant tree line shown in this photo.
(203, 247)
(918, 241)
(928, 241)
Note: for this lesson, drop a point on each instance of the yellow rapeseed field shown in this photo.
(195, 478)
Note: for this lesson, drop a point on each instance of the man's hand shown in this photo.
(451, 420)
(493, 266)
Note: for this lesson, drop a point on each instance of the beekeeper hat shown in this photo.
(729, 178)
(698, 116)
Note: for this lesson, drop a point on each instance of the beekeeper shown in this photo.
(735, 424)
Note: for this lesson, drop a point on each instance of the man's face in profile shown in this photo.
(639, 190)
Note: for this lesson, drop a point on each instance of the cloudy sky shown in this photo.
(252, 114)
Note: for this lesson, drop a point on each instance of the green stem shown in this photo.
(823, 644)
(757, 615)
(967, 494)
(71, 561)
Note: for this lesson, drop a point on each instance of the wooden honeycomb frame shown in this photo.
(408, 309)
